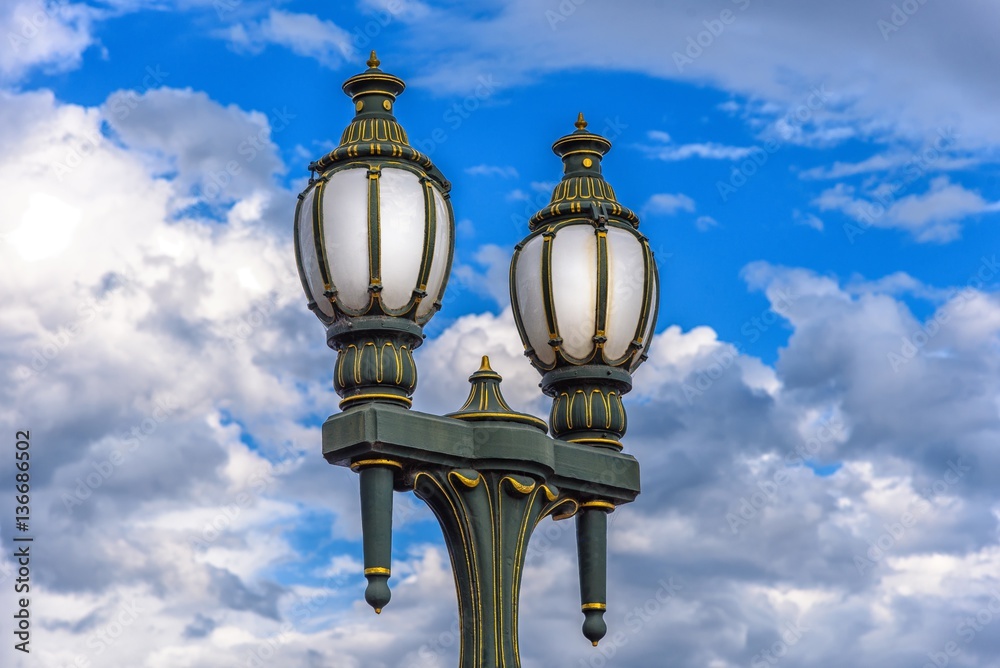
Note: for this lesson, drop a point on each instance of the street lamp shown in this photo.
(374, 235)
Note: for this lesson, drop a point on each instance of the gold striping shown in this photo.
(375, 462)
(377, 571)
(360, 397)
(602, 441)
(468, 482)
(604, 505)
(594, 606)
(522, 488)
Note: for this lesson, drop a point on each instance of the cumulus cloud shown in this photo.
(932, 216)
(51, 36)
(303, 34)
(780, 73)
(174, 383)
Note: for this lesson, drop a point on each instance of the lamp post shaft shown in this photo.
(487, 519)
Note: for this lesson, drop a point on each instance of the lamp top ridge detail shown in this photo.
(583, 188)
(374, 131)
(486, 402)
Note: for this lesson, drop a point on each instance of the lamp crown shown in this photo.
(374, 131)
(583, 187)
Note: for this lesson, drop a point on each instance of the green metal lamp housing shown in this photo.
(374, 239)
(584, 289)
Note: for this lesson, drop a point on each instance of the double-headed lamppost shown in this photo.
(374, 239)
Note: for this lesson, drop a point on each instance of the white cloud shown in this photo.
(807, 219)
(933, 216)
(662, 148)
(303, 34)
(488, 277)
(51, 36)
(705, 223)
(871, 94)
(504, 172)
(669, 203)
(233, 159)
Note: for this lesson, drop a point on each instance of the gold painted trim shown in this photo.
(523, 489)
(376, 462)
(584, 150)
(377, 571)
(564, 515)
(594, 606)
(359, 397)
(507, 417)
(605, 441)
(468, 482)
(603, 505)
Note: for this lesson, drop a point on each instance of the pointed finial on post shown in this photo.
(486, 401)
(581, 123)
(373, 60)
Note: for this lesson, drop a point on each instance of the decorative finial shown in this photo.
(378, 611)
(594, 643)
(581, 123)
(374, 62)
(486, 401)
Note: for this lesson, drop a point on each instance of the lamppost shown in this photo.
(374, 239)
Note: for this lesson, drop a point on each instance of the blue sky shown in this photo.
(820, 187)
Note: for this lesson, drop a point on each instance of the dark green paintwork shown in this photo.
(487, 524)
(487, 519)
(375, 357)
(592, 556)
(376, 525)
